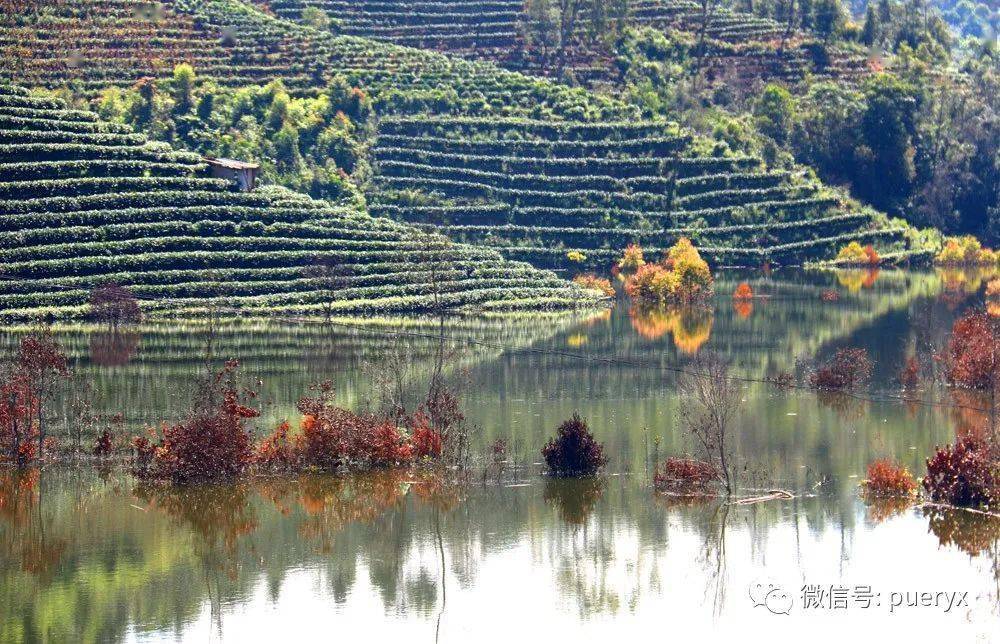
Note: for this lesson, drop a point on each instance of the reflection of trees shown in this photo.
(847, 407)
(26, 539)
(883, 508)
(113, 348)
(971, 532)
(691, 326)
(574, 498)
(855, 279)
(219, 515)
(969, 412)
(743, 309)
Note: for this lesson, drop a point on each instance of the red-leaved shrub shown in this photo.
(909, 376)
(18, 431)
(333, 437)
(846, 370)
(574, 452)
(963, 474)
(685, 476)
(886, 478)
(24, 390)
(214, 444)
(105, 444)
(972, 351)
(426, 443)
(277, 451)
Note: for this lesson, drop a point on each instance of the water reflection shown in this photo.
(413, 554)
(157, 560)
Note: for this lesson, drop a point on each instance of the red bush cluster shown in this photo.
(685, 476)
(214, 444)
(574, 452)
(846, 370)
(886, 478)
(331, 437)
(963, 474)
(23, 393)
(909, 376)
(972, 351)
(105, 444)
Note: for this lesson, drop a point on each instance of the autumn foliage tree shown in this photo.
(114, 305)
(972, 352)
(25, 389)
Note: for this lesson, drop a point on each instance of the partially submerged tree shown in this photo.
(114, 305)
(710, 405)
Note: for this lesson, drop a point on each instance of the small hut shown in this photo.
(243, 173)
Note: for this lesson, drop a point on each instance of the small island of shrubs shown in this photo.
(681, 277)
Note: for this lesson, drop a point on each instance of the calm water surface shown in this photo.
(92, 556)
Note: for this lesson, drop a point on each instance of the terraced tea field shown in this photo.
(739, 45)
(537, 190)
(84, 203)
(494, 157)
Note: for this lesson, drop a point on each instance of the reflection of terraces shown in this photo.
(788, 321)
(150, 560)
(147, 370)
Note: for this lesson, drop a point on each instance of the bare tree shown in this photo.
(708, 8)
(331, 277)
(710, 402)
(433, 254)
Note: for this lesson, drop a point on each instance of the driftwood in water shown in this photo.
(772, 495)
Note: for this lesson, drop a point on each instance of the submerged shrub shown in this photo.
(886, 478)
(693, 274)
(963, 474)
(574, 452)
(688, 476)
(333, 437)
(683, 276)
(846, 370)
(652, 284)
(427, 443)
(277, 451)
(595, 283)
(214, 444)
(972, 351)
(105, 444)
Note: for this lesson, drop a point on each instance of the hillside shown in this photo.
(539, 181)
(737, 45)
(84, 203)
